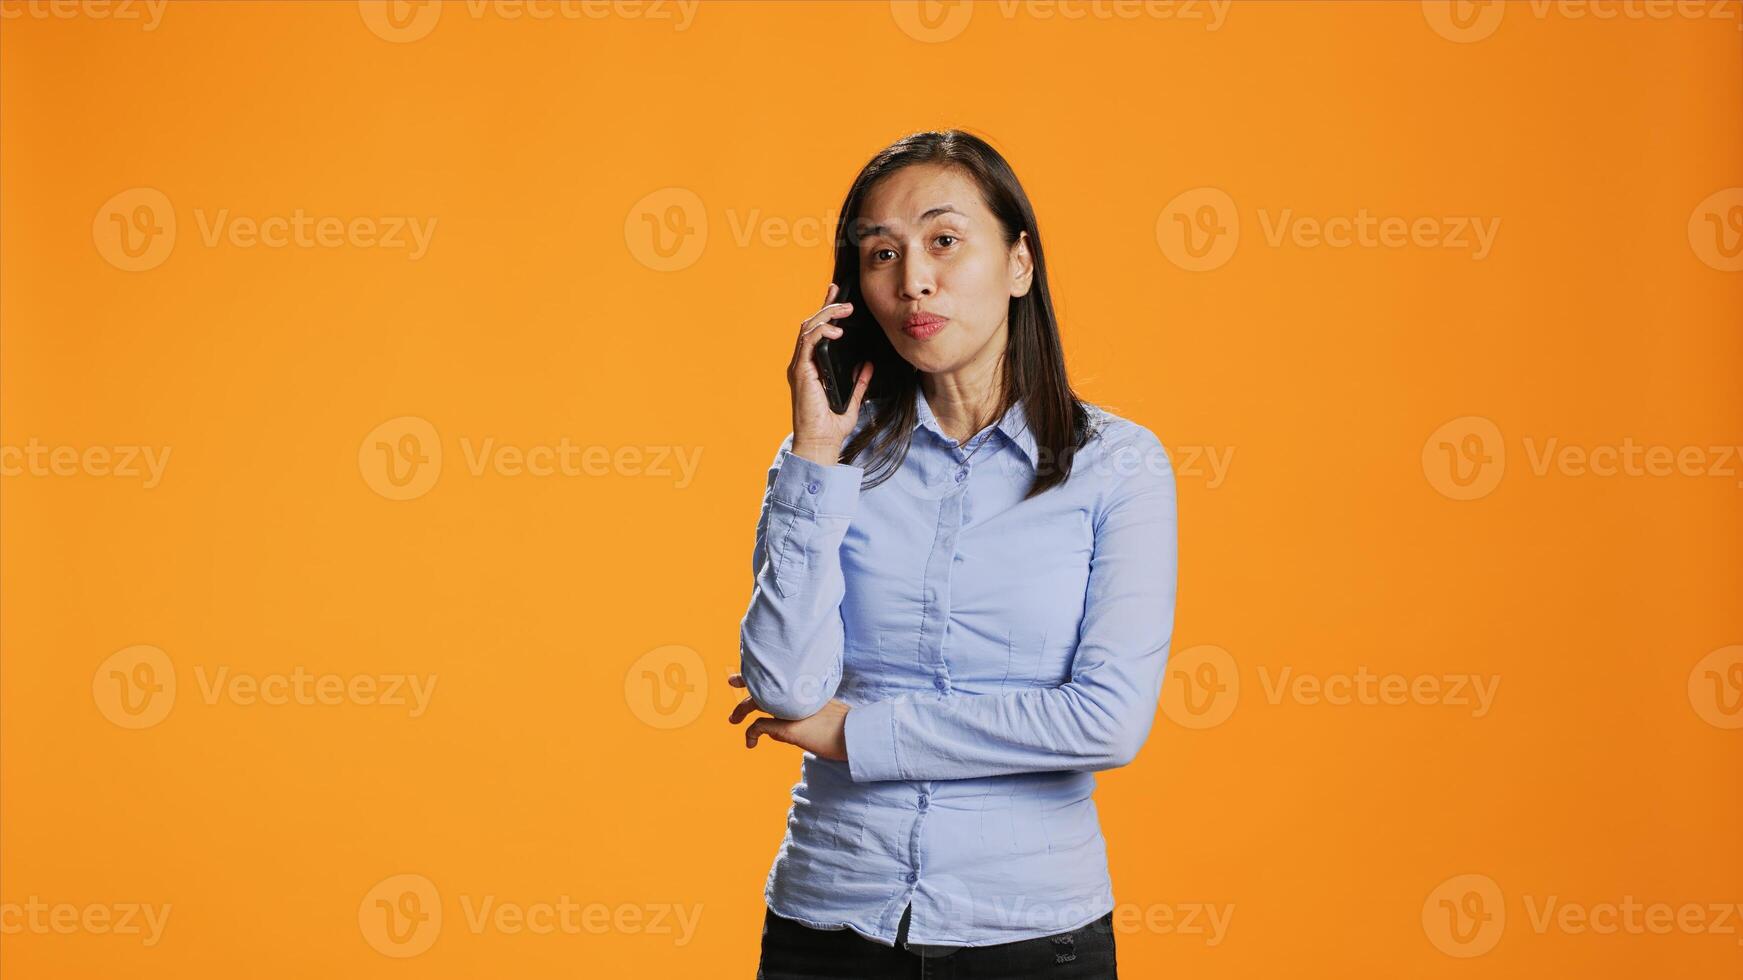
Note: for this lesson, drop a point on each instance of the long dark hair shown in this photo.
(1034, 364)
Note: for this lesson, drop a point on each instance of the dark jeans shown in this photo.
(795, 951)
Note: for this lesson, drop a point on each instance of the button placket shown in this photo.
(922, 804)
(939, 567)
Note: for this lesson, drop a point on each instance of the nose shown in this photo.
(917, 279)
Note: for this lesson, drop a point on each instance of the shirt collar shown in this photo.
(1014, 424)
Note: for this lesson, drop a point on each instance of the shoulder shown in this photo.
(1114, 439)
(1128, 469)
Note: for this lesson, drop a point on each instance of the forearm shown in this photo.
(791, 637)
(1070, 727)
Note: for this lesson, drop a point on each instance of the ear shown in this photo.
(1022, 266)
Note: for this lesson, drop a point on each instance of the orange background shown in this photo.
(549, 609)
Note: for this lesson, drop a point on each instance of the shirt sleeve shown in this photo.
(1098, 719)
(790, 640)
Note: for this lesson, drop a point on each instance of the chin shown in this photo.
(924, 358)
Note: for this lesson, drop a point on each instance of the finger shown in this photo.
(818, 327)
(859, 388)
(743, 708)
(809, 327)
(833, 289)
(834, 311)
(735, 679)
(762, 726)
(779, 729)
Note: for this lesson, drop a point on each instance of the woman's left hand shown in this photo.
(823, 734)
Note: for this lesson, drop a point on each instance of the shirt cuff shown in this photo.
(810, 487)
(870, 731)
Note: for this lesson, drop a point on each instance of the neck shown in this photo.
(963, 400)
(963, 405)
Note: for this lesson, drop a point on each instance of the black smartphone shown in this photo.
(838, 358)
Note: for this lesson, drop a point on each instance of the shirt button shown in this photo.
(813, 486)
(941, 684)
(961, 475)
(911, 877)
(925, 801)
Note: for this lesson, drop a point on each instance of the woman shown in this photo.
(960, 644)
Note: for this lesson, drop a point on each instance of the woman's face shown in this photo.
(929, 246)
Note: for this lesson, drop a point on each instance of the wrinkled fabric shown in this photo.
(995, 654)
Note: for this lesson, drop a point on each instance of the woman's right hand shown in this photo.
(818, 433)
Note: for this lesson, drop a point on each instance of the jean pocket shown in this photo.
(1084, 952)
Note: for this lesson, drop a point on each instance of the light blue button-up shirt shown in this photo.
(995, 653)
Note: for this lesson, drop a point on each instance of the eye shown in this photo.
(942, 237)
(879, 251)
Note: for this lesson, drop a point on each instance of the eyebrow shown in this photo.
(871, 230)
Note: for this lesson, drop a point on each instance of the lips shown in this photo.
(923, 325)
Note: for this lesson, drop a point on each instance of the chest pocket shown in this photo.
(1027, 589)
